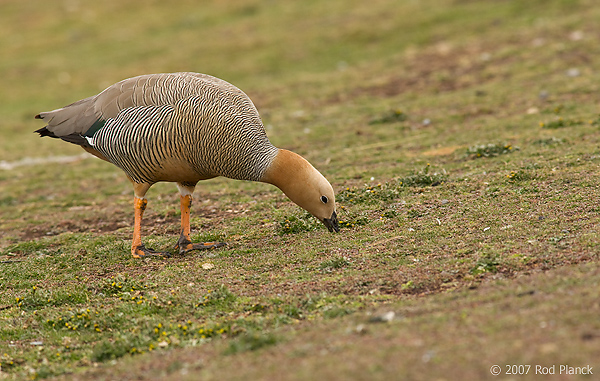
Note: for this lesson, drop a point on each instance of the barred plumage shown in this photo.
(149, 121)
(183, 128)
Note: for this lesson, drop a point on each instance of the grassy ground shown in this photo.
(462, 141)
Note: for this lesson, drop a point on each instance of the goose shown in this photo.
(184, 128)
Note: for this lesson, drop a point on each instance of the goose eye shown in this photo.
(324, 199)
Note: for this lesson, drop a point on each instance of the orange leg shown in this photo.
(185, 244)
(138, 249)
(186, 204)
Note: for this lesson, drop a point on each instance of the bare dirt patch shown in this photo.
(441, 68)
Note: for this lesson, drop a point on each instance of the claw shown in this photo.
(200, 246)
(142, 251)
(184, 245)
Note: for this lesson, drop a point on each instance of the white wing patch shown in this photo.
(91, 141)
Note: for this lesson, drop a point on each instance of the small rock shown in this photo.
(549, 348)
(428, 356)
(576, 35)
(573, 72)
(298, 113)
(538, 42)
(383, 318)
(361, 329)
(208, 266)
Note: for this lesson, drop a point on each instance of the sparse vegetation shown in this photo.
(389, 191)
(250, 342)
(549, 141)
(486, 264)
(490, 150)
(519, 175)
(560, 123)
(369, 194)
(333, 264)
(390, 117)
(423, 178)
(298, 223)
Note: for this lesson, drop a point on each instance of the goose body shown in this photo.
(184, 128)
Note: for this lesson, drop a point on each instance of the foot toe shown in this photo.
(200, 246)
(143, 251)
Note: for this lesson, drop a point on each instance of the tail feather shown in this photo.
(45, 132)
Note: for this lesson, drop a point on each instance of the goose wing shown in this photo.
(81, 119)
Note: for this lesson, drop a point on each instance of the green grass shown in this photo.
(461, 139)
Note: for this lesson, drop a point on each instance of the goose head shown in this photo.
(304, 185)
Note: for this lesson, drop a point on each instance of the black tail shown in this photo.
(45, 132)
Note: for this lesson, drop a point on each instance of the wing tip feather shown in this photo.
(45, 132)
